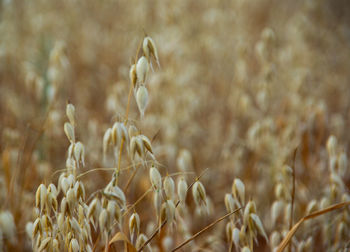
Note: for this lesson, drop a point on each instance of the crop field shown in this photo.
(162, 125)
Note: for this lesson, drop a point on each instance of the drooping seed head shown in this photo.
(37, 228)
(275, 239)
(70, 112)
(229, 203)
(79, 153)
(182, 189)
(258, 224)
(332, 145)
(142, 99)
(44, 244)
(238, 190)
(168, 243)
(40, 196)
(249, 209)
(134, 225)
(52, 189)
(74, 246)
(311, 207)
(236, 237)
(29, 229)
(156, 179)
(146, 143)
(71, 198)
(199, 193)
(167, 212)
(142, 68)
(92, 207)
(119, 133)
(115, 193)
(52, 201)
(149, 49)
(133, 75)
(133, 131)
(279, 191)
(245, 249)
(169, 187)
(69, 130)
(7, 225)
(141, 240)
(102, 219)
(55, 245)
(229, 229)
(107, 140)
(276, 210)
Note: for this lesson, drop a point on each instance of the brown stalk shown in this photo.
(129, 180)
(293, 230)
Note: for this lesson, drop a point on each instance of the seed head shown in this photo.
(142, 68)
(79, 153)
(169, 187)
(70, 112)
(182, 189)
(199, 194)
(69, 130)
(133, 75)
(229, 229)
(245, 249)
(168, 211)
(107, 140)
(141, 239)
(332, 145)
(229, 203)
(249, 209)
(119, 133)
(311, 207)
(40, 196)
(236, 237)
(142, 99)
(74, 246)
(258, 224)
(156, 178)
(134, 225)
(133, 131)
(44, 244)
(149, 49)
(102, 219)
(275, 239)
(276, 210)
(7, 225)
(238, 190)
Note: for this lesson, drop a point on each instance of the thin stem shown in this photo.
(205, 229)
(129, 180)
(137, 201)
(129, 99)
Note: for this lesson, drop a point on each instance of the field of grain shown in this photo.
(159, 125)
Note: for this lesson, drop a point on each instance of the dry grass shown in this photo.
(98, 154)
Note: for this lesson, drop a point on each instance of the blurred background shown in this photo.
(241, 85)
